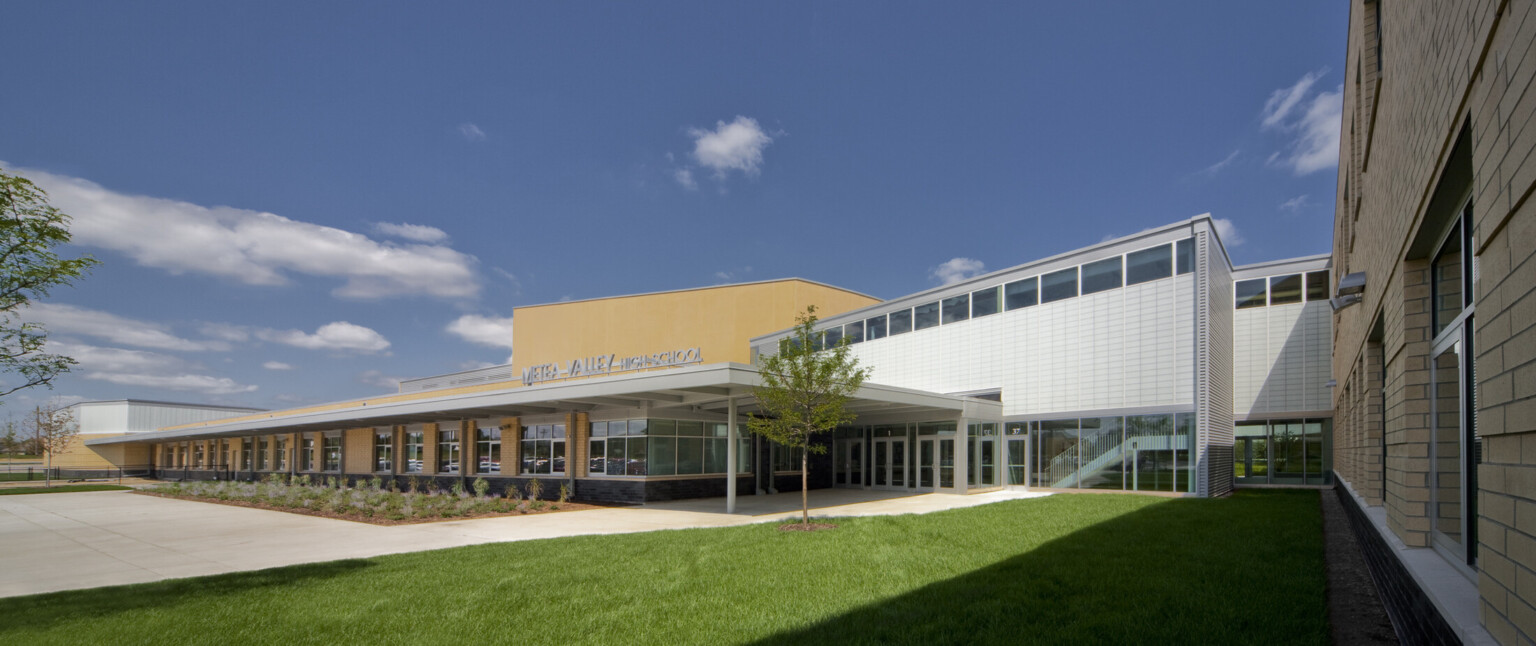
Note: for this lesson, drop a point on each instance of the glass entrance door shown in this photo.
(889, 464)
(848, 463)
(925, 464)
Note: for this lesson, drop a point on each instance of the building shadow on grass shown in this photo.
(1245, 569)
(42, 610)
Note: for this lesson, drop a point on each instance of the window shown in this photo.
(984, 302)
(1058, 285)
(282, 453)
(875, 328)
(245, 454)
(831, 337)
(197, 454)
(306, 453)
(854, 332)
(1148, 265)
(1284, 290)
(1456, 446)
(957, 308)
(488, 450)
(330, 446)
(544, 449)
(1317, 285)
(1449, 297)
(263, 453)
(1184, 254)
(661, 447)
(1102, 275)
(926, 315)
(1251, 293)
(901, 322)
(1021, 293)
(786, 458)
(383, 451)
(448, 456)
(415, 451)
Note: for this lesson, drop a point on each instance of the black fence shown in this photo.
(35, 472)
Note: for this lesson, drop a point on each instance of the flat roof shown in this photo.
(152, 402)
(706, 388)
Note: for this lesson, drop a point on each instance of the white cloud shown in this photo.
(475, 365)
(377, 378)
(685, 178)
(1227, 231)
(1283, 100)
(517, 285)
(1221, 165)
(226, 331)
(145, 369)
(955, 270)
(194, 383)
(1318, 147)
(737, 145)
(471, 132)
(276, 365)
(340, 335)
(1295, 204)
(68, 319)
(490, 331)
(415, 232)
(1311, 121)
(253, 247)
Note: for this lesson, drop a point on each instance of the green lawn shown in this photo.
(14, 476)
(1062, 569)
(60, 488)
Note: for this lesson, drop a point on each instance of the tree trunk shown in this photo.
(805, 490)
(48, 471)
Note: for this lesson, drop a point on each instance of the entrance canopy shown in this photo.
(709, 388)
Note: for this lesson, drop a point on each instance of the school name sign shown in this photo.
(606, 364)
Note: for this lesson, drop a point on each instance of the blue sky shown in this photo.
(302, 202)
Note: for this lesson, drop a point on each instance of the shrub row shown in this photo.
(371, 498)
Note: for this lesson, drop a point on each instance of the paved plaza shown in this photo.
(83, 540)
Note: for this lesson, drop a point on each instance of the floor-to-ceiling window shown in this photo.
(1455, 446)
(1284, 451)
(1132, 453)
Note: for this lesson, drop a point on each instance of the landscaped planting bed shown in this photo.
(372, 500)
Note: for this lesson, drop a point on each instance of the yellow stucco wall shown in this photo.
(80, 456)
(718, 320)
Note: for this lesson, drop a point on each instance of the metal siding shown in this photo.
(1213, 368)
(1119, 349)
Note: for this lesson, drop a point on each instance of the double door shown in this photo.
(886, 458)
(888, 466)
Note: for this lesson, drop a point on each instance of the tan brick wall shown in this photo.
(578, 446)
(512, 450)
(357, 451)
(1445, 64)
(429, 449)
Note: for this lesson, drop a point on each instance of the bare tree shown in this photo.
(55, 429)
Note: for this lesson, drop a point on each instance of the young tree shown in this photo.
(30, 229)
(805, 392)
(56, 429)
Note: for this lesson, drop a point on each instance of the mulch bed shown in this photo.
(380, 520)
(806, 527)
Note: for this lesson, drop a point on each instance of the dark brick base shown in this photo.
(1415, 618)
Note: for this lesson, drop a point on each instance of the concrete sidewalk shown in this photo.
(67, 541)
